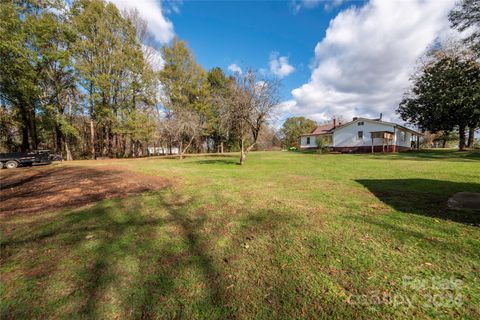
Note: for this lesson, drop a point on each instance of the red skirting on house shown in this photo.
(367, 149)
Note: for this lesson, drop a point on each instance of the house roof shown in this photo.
(329, 128)
(323, 129)
(393, 124)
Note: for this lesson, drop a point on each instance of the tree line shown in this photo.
(85, 80)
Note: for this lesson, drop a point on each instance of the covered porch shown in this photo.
(384, 141)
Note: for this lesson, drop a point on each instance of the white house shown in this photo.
(154, 151)
(363, 135)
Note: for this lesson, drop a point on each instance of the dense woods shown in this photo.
(85, 80)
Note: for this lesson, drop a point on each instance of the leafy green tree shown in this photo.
(220, 92)
(64, 66)
(445, 95)
(294, 127)
(112, 70)
(446, 137)
(19, 88)
(36, 69)
(184, 82)
(8, 125)
(51, 40)
(185, 95)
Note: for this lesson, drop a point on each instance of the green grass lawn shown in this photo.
(288, 235)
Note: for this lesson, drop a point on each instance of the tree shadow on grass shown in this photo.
(110, 260)
(230, 161)
(423, 234)
(170, 263)
(423, 196)
(431, 155)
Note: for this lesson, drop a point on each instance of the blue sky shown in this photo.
(336, 58)
(246, 33)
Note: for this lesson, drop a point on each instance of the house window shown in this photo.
(360, 123)
(360, 135)
(404, 136)
(308, 140)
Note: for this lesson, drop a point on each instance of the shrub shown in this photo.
(322, 144)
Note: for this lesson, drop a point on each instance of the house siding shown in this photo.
(304, 145)
(347, 136)
(399, 138)
(313, 142)
(345, 139)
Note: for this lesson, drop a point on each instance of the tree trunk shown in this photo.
(130, 145)
(471, 136)
(123, 142)
(33, 130)
(67, 150)
(115, 145)
(108, 137)
(25, 132)
(188, 146)
(92, 139)
(180, 150)
(243, 155)
(58, 139)
(461, 134)
(92, 130)
(221, 146)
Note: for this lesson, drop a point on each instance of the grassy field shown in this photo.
(288, 235)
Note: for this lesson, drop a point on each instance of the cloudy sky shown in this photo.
(335, 58)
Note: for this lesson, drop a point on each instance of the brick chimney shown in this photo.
(334, 122)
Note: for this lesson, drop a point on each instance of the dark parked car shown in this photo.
(27, 159)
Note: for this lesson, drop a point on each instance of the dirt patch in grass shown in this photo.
(42, 189)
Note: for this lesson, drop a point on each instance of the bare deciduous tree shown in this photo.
(250, 106)
(181, 126)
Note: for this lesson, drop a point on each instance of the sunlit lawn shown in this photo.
(288, 235)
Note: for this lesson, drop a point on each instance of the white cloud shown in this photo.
(363, 64)
(151, 11)
(297, 5)
(279, 65)
(235, 68)
(332, 4)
